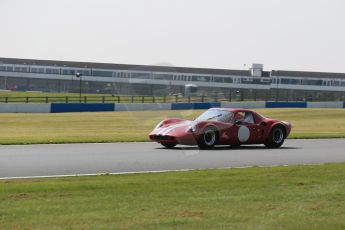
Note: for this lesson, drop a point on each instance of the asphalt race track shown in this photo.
(81, 159)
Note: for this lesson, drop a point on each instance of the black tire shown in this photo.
(168, 145)
(276, 137)
(208, 138)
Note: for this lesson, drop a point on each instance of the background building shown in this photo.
(120, 79)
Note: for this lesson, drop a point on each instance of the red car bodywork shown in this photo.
(185, 132)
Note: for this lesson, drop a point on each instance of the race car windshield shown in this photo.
(215, 115)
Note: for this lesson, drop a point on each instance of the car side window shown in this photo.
(245, 117)
(248, 118)
(239, 116)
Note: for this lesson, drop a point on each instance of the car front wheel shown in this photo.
(208, 138)
(276, 137)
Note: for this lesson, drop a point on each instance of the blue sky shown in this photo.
(290, 35)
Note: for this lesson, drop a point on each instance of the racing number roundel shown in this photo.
(243, 133)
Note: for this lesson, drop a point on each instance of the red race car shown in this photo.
(222, 126)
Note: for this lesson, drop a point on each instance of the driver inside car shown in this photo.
(248, 118)
(238, 117)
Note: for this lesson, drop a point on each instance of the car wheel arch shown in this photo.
(281, 126)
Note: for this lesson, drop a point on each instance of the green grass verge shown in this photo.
(293, 197)
(135, 126)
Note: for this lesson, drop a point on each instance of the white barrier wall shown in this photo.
(8, 108)
(142, 106)
(333, 104)
(75, 107)
(244, 105)
(25, 108)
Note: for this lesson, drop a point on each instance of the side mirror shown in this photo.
(238, 122)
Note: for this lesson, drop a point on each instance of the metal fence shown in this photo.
(124, 99)
(108, 99)
(215, 97)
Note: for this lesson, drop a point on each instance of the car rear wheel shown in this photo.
(169, 145)
(276, 137)
(208, 138)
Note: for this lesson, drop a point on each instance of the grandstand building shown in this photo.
(120, 79)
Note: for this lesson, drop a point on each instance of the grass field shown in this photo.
(45, 97)
(135, 126)
(293, 197)
(42, 94)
